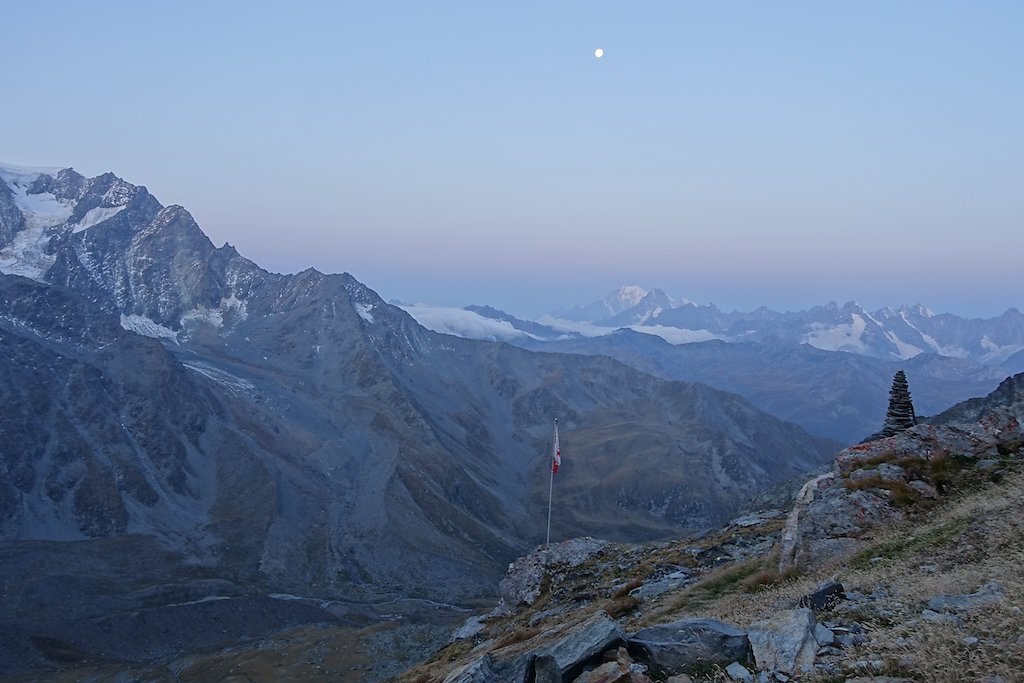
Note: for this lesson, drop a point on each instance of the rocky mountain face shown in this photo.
(271, 434)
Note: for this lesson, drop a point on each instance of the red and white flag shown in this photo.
(556, 454)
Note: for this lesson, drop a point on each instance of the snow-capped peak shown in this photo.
(23, 176)
(26, 254)
(624, 298)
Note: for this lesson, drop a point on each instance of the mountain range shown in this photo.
(827, 369)
(183, 430)
(895, 334)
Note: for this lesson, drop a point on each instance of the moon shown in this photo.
(598, 53)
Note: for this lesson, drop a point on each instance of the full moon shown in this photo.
(598, 53)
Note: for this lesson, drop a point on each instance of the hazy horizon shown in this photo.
(739, 154)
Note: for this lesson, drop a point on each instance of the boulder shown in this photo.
(570, 650)
(738, 672)
(522, 582)
(822, 526)
(609, 672)
(586, 641)
(545, 670)
(785, 642)
(480, 670)
(823, 635)
(690, 646)
(827, 595)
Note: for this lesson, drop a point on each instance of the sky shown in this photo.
(737, 153)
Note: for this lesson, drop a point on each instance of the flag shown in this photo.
(556, 454)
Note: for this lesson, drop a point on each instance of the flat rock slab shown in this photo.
(989, 594)
(690, 646)
(569, 650)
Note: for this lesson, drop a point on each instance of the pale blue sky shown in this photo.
(741, 153)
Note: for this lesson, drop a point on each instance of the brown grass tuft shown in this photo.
(621, 606)
(624, 590)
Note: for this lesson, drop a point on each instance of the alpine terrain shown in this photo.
(195, 452)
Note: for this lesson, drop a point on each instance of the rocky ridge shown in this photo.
(905, 554)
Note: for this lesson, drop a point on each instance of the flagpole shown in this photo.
(551, 486)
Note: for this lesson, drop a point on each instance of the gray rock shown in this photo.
(827, 595)
(478, 671)
(522, 582)
(546, 670)
(987, 465)
(989, 594)
(755, 518)
(676, 579)
(469, 628)
(823, 635)
(785, 642)
(572, 649)
(690, 646)
(886, 471)
(738, 672)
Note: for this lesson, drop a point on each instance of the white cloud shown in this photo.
(462, 323)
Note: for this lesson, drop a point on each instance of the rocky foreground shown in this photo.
(903, 562)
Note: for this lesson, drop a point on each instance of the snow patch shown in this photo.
(995, 352)
(26, 254)
(140, 324)
(226, 379)
(905, 349)
(951, 351)
(364, 312)
(97, 215)
(202, 314)
(845, 337)
(233, 303)
(42, 209)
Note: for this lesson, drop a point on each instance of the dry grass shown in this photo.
(621, 606)
(963, 545)
(624, 590)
